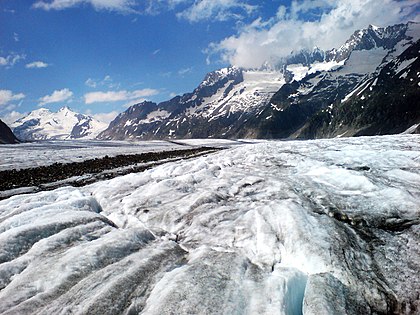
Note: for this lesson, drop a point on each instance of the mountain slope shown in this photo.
(43, 124)
(384, 104)
(6, 135)
(267, 103)
(296, 108)
(218, 106)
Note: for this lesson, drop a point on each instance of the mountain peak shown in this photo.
(230, 73)
(65, 109)
(41, 110)
(374, 27)
(43, 124)
(369, 38)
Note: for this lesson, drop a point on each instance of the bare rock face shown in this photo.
(6, 135)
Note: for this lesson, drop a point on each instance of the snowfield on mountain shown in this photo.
(43, 124)
(279, 227)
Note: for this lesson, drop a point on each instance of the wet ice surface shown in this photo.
(310, 227)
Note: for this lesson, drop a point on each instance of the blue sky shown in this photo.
(100, 56)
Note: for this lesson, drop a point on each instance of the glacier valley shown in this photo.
(274, 227)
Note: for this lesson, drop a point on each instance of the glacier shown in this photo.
(275, 227)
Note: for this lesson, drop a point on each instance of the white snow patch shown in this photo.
(363, 61)
(411, 129)
(405, 64)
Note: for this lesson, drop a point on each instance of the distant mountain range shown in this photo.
(42, 124)
(368, 86)
(6, 135)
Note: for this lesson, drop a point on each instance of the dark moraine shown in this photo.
(89, 171)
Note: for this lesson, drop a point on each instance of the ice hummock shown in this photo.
(296, 227)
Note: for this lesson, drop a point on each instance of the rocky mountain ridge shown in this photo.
(6, 134)
(279, 103)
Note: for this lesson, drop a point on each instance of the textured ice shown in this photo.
(296, 227)
(27, 155)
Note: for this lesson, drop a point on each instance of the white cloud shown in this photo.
(110, 96)
(201, 10)
(10, 117)
(104, 117)
(56, 96)
(115, 96)
(37, 65)
(11, 60)
(91, 83)
(106, 81)
(334, 21)
(16, 37)
(191, 10)
(7, 96)
(166, 74)
(122, 6)
(154, 7)
(185, 71)
(9, 11)
(7, 105)
(219, 10)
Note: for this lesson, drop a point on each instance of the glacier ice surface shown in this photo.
(279, 227)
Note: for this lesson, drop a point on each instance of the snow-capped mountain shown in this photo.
(6, 135)
(296, 108)
(387, 102)
(271, 103)
(223, 101)
(42, 124)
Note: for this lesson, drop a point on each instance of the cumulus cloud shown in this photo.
(11, 60)
(122, 6)
(36, 65)
(115, 96)
(7, 96)
(56, 96)
(331, 24)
